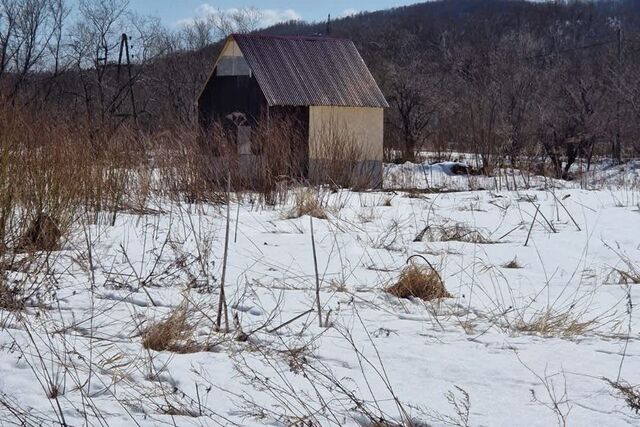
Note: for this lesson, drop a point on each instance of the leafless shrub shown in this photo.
(461, 404)
(388, 239)
(419, 282)
(557, 398)
(279, 145)
(42, 235)
(186, 167)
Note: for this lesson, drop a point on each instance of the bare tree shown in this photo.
(34, 30)
(8, 24)
(59, 14)
(96, 38)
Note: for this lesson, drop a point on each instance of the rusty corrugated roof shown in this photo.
(302, 71)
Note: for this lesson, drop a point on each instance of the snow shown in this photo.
(442, 176)
(394, 358)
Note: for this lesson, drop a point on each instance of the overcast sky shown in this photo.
(174, 11)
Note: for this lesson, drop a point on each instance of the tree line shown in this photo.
(513, 82)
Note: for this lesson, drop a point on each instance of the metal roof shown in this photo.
(303, 71)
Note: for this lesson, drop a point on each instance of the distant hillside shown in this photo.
(496, 77)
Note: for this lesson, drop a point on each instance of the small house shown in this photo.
(320, 83)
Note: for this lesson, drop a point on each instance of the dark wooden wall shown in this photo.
(224, 95)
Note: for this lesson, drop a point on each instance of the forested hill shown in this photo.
(504, 76)
(500, 78)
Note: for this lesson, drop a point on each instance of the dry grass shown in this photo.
(419, 282)
(456, 232)
(51, 172)
(630, 394)
(306, 202)
(512, 264)
(628, 273)
(43, 234)
(367, 215)
(390, 423)
(174, 334)
(414, 193)
(338, 286)
(552, 323)
(625, 277)
(10, 299)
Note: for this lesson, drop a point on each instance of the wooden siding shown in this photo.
(223, 95)
(340, 132)
(230, 48)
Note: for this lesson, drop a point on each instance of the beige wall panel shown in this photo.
(349, 133)
(231, 48)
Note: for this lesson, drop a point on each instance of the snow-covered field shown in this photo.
(533, 334)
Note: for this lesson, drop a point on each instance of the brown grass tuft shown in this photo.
(419, 282)
(171, 334)
(457, 232)
(306, 203)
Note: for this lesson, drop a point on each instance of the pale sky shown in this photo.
(174, 11)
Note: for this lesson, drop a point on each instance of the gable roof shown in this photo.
(303, 71)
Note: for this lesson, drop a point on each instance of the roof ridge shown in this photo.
(293, 37)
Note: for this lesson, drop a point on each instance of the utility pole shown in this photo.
(124, 49)
(329, 25)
